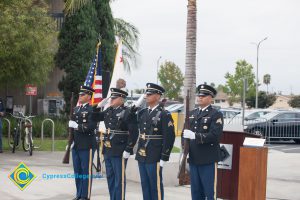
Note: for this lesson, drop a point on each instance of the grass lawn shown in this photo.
(59, 145)
(175, 150)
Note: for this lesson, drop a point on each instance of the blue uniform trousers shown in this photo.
(151, 180)
(116, 179)
(83, 164)
(0, 134)
(203, 181)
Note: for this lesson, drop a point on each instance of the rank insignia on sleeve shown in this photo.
(170, 124)
(219, 121)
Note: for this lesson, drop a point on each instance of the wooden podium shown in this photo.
(253, 173)
(239, 183)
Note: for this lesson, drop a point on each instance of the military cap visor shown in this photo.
(154, 89)
(205, 90)
(204, 94)
(86, 90)
(115, 93)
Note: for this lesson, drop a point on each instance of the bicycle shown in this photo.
(23, 124)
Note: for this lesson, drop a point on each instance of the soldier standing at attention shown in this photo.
(206, 129)
(84, 144)
(156, 141)
(119, 139)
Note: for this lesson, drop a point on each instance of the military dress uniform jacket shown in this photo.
(84, 136)
(208, 126)
(159, 125)
(124, 123)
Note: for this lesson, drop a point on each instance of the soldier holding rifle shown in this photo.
(84, 144)
(119, 139)
(206, 127)
(156, 141)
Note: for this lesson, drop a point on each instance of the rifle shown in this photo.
(182, 174)
(98, 166)
(66, 158)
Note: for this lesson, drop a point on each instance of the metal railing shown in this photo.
(288, 128)
(8, 130)
(42, 132)
(52, 134)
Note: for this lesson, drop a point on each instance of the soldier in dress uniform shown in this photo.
(119, 139)
(84, 144)
(206, 124)
(156, 141)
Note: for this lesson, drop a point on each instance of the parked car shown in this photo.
(178, 107)
(229, 113)
(254, 113)
(277, 125)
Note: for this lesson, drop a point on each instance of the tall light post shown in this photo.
(157, 69)
(257, 50)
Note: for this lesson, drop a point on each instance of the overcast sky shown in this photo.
(225, 30)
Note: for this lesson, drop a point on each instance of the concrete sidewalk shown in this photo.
(283, 178)
(42, 163)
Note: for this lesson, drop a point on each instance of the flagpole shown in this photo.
(97, 53)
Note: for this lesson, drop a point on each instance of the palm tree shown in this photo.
(267, 80)
(124, 30)
(190, 56)
(130, 38)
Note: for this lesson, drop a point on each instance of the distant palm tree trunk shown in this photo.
(190, 56)
(267, 80)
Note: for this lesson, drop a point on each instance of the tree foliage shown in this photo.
(105, 29)
(295, 101)
(171, 79)
(264, 100)
(234, 82)
(77, 47)
(110, 27)
(27, 42)
(129, 35)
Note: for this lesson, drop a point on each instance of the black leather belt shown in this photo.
(150, 137)
(116, 132)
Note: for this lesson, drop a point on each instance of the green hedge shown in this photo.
(60, 126)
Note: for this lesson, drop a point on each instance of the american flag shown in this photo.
(94, 77)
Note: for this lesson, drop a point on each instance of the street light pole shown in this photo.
(257, 50)
(157, 69)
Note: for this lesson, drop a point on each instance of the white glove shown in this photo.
(161, 163)
(189, 134)
(126, 154)
(72, 145)
(73, 124)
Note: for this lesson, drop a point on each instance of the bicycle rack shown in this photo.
(42, 131)
(8, 134)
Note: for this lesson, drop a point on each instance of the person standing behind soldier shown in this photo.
(84, 144)
(119, 139)
(206, 124)
(1, 115)
(156, 141)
